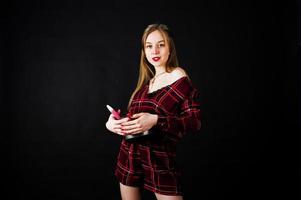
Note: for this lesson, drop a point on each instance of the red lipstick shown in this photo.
(156, 59)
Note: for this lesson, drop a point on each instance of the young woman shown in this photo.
(163, 107)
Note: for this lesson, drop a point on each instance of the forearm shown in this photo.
(183, 123)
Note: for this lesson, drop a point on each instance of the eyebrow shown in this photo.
(157, 42)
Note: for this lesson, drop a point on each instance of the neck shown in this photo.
(159, 70)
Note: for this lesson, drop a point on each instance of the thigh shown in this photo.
(166, 197)
(129, 192)
(160, 172)
(128, 168)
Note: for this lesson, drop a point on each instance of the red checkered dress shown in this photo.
(151, 162)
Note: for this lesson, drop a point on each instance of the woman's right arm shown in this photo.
(114, 125)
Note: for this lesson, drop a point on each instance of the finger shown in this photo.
(132, 131)
(131, 122)
(117, 127)
(118, 131)
(123, 120)
(137, 115)
(129, 127)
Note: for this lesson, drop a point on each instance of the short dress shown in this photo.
(151, 163)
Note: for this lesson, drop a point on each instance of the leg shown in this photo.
(129, 193)
(166, 197)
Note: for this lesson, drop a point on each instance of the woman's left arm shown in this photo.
(189, 118)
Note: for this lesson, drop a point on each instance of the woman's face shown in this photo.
(156, 49)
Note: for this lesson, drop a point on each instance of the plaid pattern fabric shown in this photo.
(152, 162)
(176, 105)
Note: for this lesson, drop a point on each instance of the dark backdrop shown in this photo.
(62, 62)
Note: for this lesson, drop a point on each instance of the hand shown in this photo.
(140, 122)
(114, 125)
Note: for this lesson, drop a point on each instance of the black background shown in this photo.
(62, 62)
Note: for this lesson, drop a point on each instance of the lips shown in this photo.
(156, 59)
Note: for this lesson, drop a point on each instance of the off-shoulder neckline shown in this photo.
(169, 85)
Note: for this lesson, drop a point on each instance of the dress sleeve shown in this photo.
(187, 119)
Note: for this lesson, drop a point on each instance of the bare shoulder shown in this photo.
(178, 73)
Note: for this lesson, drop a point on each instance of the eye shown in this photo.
(162, 45)
(148, 46)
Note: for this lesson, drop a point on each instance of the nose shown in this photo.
(156, 50)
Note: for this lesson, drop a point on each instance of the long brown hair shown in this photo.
(146, 71)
